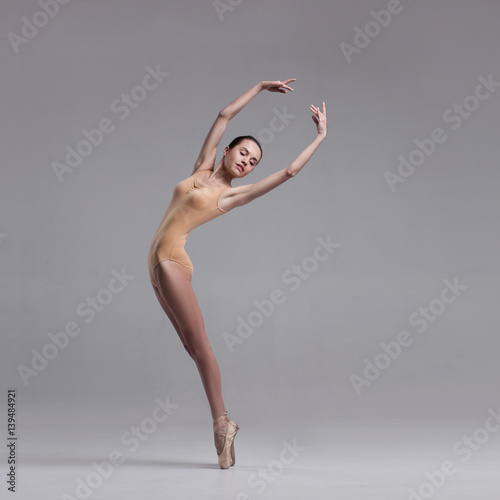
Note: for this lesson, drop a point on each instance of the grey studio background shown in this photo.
(405, 185)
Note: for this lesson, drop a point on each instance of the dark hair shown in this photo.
(240, 138)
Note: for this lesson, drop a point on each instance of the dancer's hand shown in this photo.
(319, 118)
(277, 86)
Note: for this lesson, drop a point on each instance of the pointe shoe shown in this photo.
(225, 431)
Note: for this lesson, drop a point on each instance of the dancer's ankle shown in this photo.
(222, 416)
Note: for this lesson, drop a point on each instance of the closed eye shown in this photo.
(243, 154)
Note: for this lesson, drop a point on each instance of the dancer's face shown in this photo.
(242, 158)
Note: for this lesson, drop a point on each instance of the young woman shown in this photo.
(206, 194)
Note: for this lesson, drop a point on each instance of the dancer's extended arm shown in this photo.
(206, 158)
(241, 195)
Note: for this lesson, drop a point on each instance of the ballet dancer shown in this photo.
(206, 194)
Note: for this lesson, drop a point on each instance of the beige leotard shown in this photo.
(192, 204)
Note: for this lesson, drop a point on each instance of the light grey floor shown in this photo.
(354, 455)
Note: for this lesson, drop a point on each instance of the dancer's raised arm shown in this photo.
(241, 195)
(206, 158)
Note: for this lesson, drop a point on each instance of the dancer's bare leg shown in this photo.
(171, 317)
(177, 298)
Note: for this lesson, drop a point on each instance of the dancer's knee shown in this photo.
(197, 351)
(188, 350)
(200, 352)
